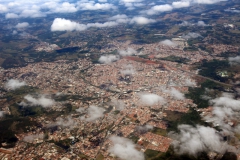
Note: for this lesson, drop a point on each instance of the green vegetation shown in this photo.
(211, 68)
(11, 126)
(177, 59)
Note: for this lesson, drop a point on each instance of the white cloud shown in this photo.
(108, 59)
(181, 4)
(3, 8)
(22, 25)
(128, 52)
(61, 24)
(32, 13)
(144, 129)
(93, 113)
(125, 149)
(234, 60)
(191, 140)
(142, 20)
(95, 6)
(186, 23)
(207, 1)
(14, 84)
(41, 101)
(32, 138)
(191, 35)
(128, 70)
(150, 99)
(120, 18)
(66, 122)
(190, 83)
(11, 15)
(159, 8)
(168, 42)
(65, 8)
(201, 23)
(176, 94)
(118, 104)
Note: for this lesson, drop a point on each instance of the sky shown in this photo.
(143, 11)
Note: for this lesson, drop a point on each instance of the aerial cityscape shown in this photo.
(120, 80)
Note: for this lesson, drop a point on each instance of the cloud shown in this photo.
(3, 8)
(207, 1)
(234, 60)
(32, 138)
(61, 24)
(66, 122)
(180, 4)
(118, 104)
(168, 42)
(190, 83)
(176, 94)
(144, 129)
(120, 18)
(91, 5)
(108, 59)
(191, 35)
(227, 101)
(14, 84)
(142, 20)
(11, 15)
(159, 8)
(124, 149)
(41, 101)
(22, 25)
(65, 8)
(192, 140)
(131, 1)
(201, 23)
(150, 99)
(2, 114)
(94, 113)
(32, 13)
(128, 70)
(186, 23)
(128, 52)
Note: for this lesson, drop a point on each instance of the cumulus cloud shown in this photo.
(192, 140)
(42, 100)
(176, 94)
(65, 122)
(159, 8)
(22, 25)
(180, 4)
(201, 23)
(185, 23)
(234, 60)
(191, 35)
(128, 52)
(150, 99)
(144, 129)
(11, 15)
(118, 104)
(142, 20)
(61, 24)
(65, 7)
(3, 8)
(168, 42)
(124, 149)
(32, 138)
(128, 70)
(190, 83)
(93, 113)
(14, 84)
(207, 1)
(90, 5)
(108, 59)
